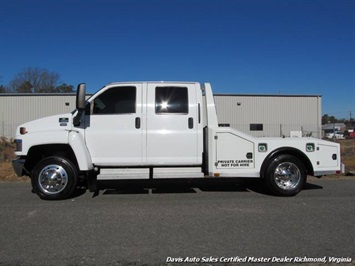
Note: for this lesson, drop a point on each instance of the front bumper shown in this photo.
(18, 166)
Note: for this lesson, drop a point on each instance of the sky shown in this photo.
(302, 47)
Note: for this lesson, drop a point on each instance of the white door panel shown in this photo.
(112, 136)
(114, 141)
(172, 135)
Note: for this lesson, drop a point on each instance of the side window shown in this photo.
(171, 100)
(117, 100)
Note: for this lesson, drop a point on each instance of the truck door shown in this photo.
(113, 129)
(173, 124)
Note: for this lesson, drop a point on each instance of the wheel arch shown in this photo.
(39, 152)
(289, 151)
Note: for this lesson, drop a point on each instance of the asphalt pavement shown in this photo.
(165, 225)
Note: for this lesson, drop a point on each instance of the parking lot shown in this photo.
(167, 224)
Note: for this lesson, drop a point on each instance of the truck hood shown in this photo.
(49, 124)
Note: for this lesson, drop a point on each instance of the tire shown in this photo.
(54, 178)
(285, 175)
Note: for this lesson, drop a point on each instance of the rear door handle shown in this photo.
(138, 122)
(191, 122)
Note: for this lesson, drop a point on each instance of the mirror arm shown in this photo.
(77, 118)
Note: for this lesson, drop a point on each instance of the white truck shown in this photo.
(154, 131)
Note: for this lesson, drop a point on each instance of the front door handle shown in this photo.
(138, 122)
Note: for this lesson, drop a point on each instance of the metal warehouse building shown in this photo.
(271, 115)
(258, 115)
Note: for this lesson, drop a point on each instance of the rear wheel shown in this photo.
(285, 175)
(54, 178)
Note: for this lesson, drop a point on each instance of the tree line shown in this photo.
(40, 80)
(36, 80)
(331, 119)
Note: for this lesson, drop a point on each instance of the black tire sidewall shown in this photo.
(69, 167)
(270, 181)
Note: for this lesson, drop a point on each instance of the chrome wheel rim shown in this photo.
(287, 176)
(53, 179)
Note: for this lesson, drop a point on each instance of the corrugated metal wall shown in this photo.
(17, 109)
(279, 114)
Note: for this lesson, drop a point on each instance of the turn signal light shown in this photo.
(23, 130)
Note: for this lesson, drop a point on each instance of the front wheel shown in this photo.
(54, 178)
(285, 175)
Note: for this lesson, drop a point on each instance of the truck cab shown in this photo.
(147, 123)
(158, 130)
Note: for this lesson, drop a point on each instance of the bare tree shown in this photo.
(35, 80)
(2, 89)
(64, 88)
(25, 87)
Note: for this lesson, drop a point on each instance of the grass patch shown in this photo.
(347, 150)
(7, 149)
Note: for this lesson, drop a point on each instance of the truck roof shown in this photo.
(161, 81)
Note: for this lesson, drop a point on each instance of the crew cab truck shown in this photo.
(158, 130)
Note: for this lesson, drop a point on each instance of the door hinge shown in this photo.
(215, 137)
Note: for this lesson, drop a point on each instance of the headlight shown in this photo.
(18, 143)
